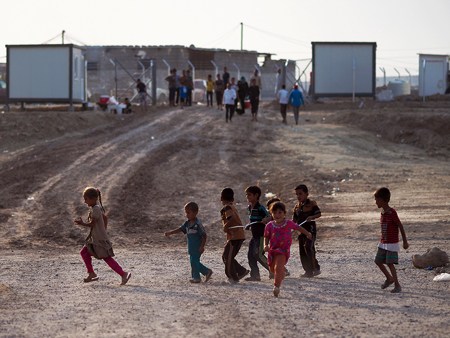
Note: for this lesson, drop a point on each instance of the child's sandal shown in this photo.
(386, 284)
(90, 279)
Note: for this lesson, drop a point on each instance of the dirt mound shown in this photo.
(432, 258)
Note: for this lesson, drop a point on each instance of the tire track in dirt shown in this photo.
(106, 166)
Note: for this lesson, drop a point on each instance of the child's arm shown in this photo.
(202, 247)
(91, 224)
(266, 244)
(229, 221)
(304, 232)
(402, 231)
(310, 218)
(173, 232)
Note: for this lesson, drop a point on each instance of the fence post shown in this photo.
(154, 98)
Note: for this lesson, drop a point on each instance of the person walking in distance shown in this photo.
(296, 100)
(142, 90)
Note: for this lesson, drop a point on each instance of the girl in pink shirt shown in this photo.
(278, 240)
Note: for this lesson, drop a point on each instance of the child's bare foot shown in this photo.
(92, 277)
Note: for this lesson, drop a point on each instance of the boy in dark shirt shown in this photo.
(307, 210)
(258, 218)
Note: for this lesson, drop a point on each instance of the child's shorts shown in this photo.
(386, 257)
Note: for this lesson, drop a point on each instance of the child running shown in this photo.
(258, 218)
(234, 229)
(389, 247)
(196, 239)
(307, 210)
(97, 243)
(278, 240)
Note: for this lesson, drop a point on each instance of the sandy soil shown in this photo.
(149, 165)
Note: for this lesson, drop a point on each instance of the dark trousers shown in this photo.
(255, 255)
(178, 95)
(209, 98)
(308, 254)
(229, 108)
(219, 98)
(232, 268)
(255, 104)
(283, 109)
(189, 97)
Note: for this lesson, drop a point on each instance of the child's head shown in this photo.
(209, 77)
(233, 80)
(271, 201)
(278, 211)
(382, 197)
(253, 193)
(227, 195)
(302, 193)
(191, 211)
(91, 195)
(283, 86)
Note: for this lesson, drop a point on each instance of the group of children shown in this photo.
(271, 233)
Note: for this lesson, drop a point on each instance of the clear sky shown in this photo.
(401, 28)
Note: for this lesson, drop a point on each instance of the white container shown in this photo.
(433, 70)
(399, 87)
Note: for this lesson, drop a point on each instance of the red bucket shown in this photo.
(247, 104)
(104, 99)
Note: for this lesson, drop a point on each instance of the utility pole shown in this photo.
(242, 35)
(62, 35)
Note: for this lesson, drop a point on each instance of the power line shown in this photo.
(226, 35)
(282, 37)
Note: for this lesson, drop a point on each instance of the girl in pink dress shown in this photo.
(278, 240)
(97, 243)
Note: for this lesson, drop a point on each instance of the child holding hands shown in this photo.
(196, 239)
(97, 242)
(277, 242)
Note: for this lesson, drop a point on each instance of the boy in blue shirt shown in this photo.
(258, 218)
(196, 239)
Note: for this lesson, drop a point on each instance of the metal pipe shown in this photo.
(354, 79)
(168, 66)
(424, 65)
(193, 69)
(239, 71)
(217, 68)
(409, 76)
(397, 73)
(115, 78)
(384, 75)
(242, 35)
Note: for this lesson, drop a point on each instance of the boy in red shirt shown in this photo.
(389, 247)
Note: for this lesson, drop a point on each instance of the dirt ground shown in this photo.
(148, 165)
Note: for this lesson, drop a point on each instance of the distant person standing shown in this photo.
(257, 78)
(225, 77)
(229, 97)
(218, 89)
(253, 93)
(183, 89)
(209, 91)
(172, 87)
(190, 87)
(142, 90)
(243, 93)
(296, 100)
(177, 85)
(283, 96)
(235, 87)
